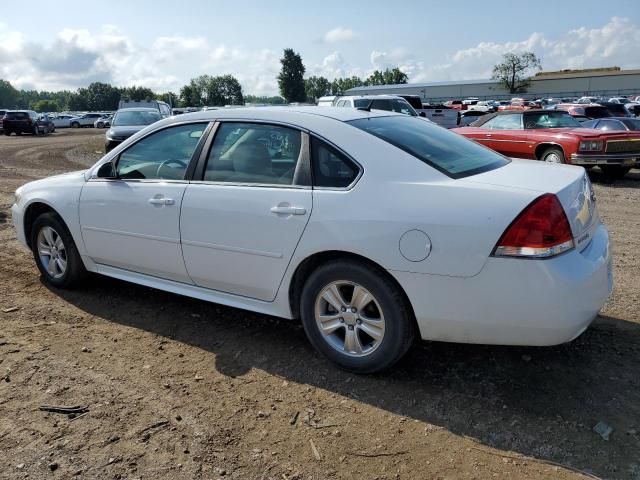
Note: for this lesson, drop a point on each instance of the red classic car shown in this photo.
(555, 136)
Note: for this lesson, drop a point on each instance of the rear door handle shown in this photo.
(286, 209)
(161, 201)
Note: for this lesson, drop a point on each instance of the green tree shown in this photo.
(511, 73)
(45, 106)
(168, 97)
(137, 93)
(8, 95)
(340, 85)
(390, 76)
(316, 87)
(291, 77)
(206, 90)
(101, 96)
(275, 100)
(78, 101)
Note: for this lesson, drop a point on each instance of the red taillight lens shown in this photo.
(541, 230)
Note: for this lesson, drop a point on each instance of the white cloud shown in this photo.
(339, 34)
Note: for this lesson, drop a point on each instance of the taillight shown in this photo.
(540, 231)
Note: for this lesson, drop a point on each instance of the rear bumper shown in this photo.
(514, 301)
(629, 159)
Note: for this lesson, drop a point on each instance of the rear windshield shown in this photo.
(17, 115)
(130, 119)
(597, 112)
(415, 102)
(448, 152)
(616, 108)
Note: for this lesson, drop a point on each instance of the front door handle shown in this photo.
(286, 209)
(161, 201)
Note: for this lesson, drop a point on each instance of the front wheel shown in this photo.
(356, 316)
(75, 125)
(55, 252)
(553, 155)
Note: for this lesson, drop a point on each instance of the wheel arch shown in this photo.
(33, 211)
(309, 264)
(541, 147)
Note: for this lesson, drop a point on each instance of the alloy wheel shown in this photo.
(52, 252)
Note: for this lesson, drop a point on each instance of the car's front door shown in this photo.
(242, 220)
(133, 221)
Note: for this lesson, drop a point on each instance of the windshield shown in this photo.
(551, 119)
(448, 152)
(135, 118)
(632, 123)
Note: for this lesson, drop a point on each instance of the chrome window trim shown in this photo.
(342, 152)
(244, 184)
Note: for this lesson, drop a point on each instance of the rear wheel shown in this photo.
(356, 317)
(55, 252)
(553, 155)
(615, 171)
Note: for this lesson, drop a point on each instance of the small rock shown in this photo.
(526, 358)
(166, 385)
(178, 418)
(603, 430)
(197, 378)
(20, 466)
(10, 309)
(632, 431)
(220, 471)
(86, 349)
(111, 460)
(53, 466)
(180, 355)
(505, 460)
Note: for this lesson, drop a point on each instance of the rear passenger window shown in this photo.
(331, 168)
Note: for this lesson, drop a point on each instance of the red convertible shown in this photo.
(554, 136)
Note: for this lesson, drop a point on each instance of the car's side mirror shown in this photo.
(108, 171)
(422, 114)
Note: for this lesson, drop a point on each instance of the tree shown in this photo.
(137, 93)
(168, 97)
(511, 72)
(391, 76)
(340, 85)
(78, 101)
(45, 106)
(206, 90)
(275, 100)
(291, 77)
(101, 96)
(316, 87)
(8, 95)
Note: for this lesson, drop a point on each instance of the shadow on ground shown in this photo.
(630, 180)
(541, 402)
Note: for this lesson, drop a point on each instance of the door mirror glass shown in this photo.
(107, 170)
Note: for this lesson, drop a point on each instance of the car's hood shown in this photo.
(64, 178)
(124, 131)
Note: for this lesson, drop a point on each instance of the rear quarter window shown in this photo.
(448, 152)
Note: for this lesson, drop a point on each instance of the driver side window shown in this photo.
(163, 155)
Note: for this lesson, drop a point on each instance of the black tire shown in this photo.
(553, 152)
(399, 324)
(18, 132)
(7, 132)
(36, 131)
(75, 271)
(75, 125)
(615, 171)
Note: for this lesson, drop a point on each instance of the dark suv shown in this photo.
(2, 112)
(22, 121)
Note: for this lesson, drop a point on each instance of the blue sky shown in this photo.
(162, 44)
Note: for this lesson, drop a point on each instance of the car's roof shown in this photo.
(294, 115)
(138, 109)
(366, 97)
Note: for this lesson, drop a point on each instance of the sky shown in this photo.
(163, 44)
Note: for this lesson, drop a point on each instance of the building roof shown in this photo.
(421, 85)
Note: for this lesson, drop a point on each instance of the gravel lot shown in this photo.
(178, 388)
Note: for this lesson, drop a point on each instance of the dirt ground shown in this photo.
(178, 388)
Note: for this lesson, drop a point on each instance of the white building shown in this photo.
(565, 83)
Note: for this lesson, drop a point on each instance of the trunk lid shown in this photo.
(569, 183)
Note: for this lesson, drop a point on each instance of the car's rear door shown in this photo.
(133, 221)
(246, 209)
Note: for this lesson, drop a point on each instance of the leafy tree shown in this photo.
(275, 100)
(316, 87)
(206, 90)
(168, 97)
(291, 77)
(8, 95)
(78, 101)
(101, 96)
(391, 76)
(511, 72)
(340, 85)
(45, 106)
(137, 93)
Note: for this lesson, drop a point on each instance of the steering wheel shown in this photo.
(167, 163)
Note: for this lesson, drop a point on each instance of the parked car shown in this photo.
(584, 111)
(482, 106)
(2, 112)
(390, 103)
(103, 122)
(442, 115)
(470, 116)
(455, 104)
(163, 108)
(554, 136)
(588, 100)
(517, 104)
(616, 109)
(46, 120)
(126, 122)
(182, 206)
(621, 100)
(85, 120)
(326, 101)
(62, 120)
(23, 121)
(614, 123)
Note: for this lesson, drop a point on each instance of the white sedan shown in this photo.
(371, 227)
